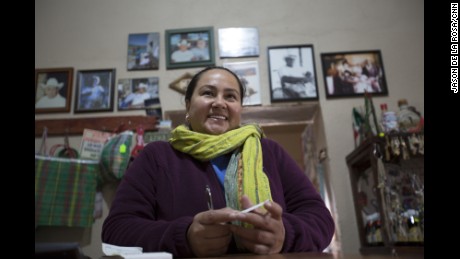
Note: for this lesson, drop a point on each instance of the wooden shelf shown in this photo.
(61, 127)
(271, 115)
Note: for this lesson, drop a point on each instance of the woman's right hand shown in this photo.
(209, 234)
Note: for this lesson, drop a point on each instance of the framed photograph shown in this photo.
(292, 73)
(133, 92)
(248, 72)
(153, 108)
(143, 51)
(94, 91)
(189, 47)
(351, 74)
(238, 42)
(53, 90)
(181, 83)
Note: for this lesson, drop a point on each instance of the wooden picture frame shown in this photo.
(53, 90)
(94, 90)
(238, 42)
(133, 92)
(351, 74)
(292, 73)
(180, 84)
(189, 47)
(143, 51)
(248, 72)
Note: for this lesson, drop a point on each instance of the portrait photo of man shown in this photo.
(53, 90)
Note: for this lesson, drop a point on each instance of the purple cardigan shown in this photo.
(163, 189)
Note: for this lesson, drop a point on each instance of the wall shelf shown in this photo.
(265, 116)
(75, 126)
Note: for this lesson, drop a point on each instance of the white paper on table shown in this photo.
(133, 252)
(108, 249)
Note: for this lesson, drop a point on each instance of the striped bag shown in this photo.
(65, 191)
(115, 156)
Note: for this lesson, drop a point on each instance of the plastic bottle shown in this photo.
(389, 119)
(408, 119)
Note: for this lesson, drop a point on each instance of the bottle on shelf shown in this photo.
(408, 119)
(389, 119)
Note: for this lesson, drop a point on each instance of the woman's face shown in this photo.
(215, 106)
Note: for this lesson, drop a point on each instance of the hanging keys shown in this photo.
(405, 151)
(387, 148)
(395, 146)
(413, 144)
(421, 147)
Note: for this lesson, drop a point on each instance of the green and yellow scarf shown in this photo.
(244, 173)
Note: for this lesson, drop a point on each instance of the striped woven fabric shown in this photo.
(65, 191)
(115, 156)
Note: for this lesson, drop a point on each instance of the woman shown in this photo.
(184, 196)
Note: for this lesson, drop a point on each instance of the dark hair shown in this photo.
(192, 84)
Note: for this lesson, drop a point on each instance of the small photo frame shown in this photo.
(189, 47)
(248, 72)
(53, 90)
(351, 74)
(238, 42)
(94, 91)
(132, 93)
(143, 51)
(180, 84)
(153, 108)
(292, 73)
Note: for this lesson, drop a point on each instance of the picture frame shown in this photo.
(94, 90)
(292, 73)
(143, 51)
(53, 90)
(180, 84)
(133, 92)
(238, 42)
(352, 73)
(248, 72)
(192, 47)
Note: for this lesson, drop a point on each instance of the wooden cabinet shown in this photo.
(387, 180)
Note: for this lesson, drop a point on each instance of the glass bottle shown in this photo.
(408, 119)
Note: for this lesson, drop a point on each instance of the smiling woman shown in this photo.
(214, 101)
(214, 152)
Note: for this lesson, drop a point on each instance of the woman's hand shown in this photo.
(267, 236)
(209, 234)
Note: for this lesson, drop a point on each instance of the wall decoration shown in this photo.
(143, 51)
(351, 74)
(181, 83)
(292, 73)
(238, 42)
(189, 47)
(53, 90)
(248, 72)
(133, 92)
(153, 108)
(94, 91)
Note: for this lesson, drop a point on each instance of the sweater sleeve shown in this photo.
(133, 219)
(308, 223)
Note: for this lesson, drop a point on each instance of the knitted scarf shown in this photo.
(244, 173)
